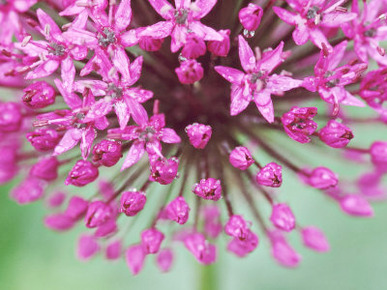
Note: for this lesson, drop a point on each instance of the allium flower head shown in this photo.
(144, 105)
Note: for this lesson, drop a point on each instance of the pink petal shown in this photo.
(99, 109)
(163, 8)
(205, 32)
(337, 55)
(278, 83)
(317, 37)
(44, 69)
(238, 102)
(72, 100)
(205, 7)
(69, 140)
(122, 113)
(246, 55)
(179, 37)
(129, 38)
(231, 74)
(123, 15)
(285, 15)
(49, 25)
(159, 30)
(272, 59)
(135, 153)
(88, 136)
(301, 34)
(169, 136)
(335, 19)
(121, 62)
(265, 105)
(137, 111)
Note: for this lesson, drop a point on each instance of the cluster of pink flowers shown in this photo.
(99, 91)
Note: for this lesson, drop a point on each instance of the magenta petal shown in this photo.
(285, 15)
(335, 19)
(69, 140)
(159, 30)
(135, 257)
(121, 62)
(49, 25)
(44, 69)
(238, 102)
(122, 113)
(205, 6)
(278, 83)
(265, 105)
(88, 136)
(272, 59)
(137, 111)
(169, 136)
(71, 99)
(135, 153)
(123, 15)
(129, 38)
(162, 7)
(231, 74)
(246, 55)
(301, 34)
(99, 109)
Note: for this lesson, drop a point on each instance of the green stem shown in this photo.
(208, 277)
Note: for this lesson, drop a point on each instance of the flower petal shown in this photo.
(135, 153)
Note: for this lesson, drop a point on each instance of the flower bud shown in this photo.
(83, 173)
(56, 199)
(209, 188)
(97, 214)
(8, 163)
(314, 239)
(199, 134)
(132, 202)
(335, 134)
(151, 240)
(164, 171)
(211, 218)
(87, 247)
(237, 227)
(77, 207)
(46, 169)
(178, 210)
(164, 260)
(282, 252)
(189, 72)
(150, 44)
(220, 48)
(322, 178)
(113, 250)
(58, 222)
(298, 123)
(250, 16)
(356, 205)
(135, 257)
(106, 229)
(38, 95)
(107, 153)
(203, 251)
(243, 247)
(270, 175)
(10, 117)
(282, 217)
(193, 47)
(241, 158)
(43, 139)
(378, 153)
(29, 190)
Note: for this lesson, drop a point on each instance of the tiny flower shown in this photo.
(164, 259)
(44, 139)
(212, 225)
(164, 171)
(135, 257)
(282, 217)
(87, 247)
(322, 178)
(107, 152)
(241, 158)
(150, 43)
(282, 251)
(82, 173)
(59, 222)
(203, 251)
(314, 239)
(270, 175)
(356, 205)
(56, 199)
(107, 228)
(132, 202)
(237, 227)
(194, 47)
(38, 95)
(113, 250)
(151, 240)
(46, 169)
(199, 134)
(220, 48)
(378, 151)
(242, 247)
(77, 208)
(178, 210)
(298, 123)
(189, 72)
(97, 214)
(250, 17)
(10, 117)
(335, 134)
(29, 190)
(209, 188)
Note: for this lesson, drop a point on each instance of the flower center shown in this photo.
(181, 16)
(107, 37)
(370, 32)
(57, 49)
(312, 12)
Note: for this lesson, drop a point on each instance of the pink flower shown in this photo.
(250, 17)
(113, 250)
(314, 239)
(245, 246)
(38, 95)
(82, 174)
(378, 151)
(87, 247)
(356, 205)
(237, 227)
(335, 134)
(298, 123)
(203, 251)
(10, 117)
(151, 240)
(164, 259)
(98, 213)
(164, 171)
(178, 210)
(240, 157)
(282, 217)
(107, 152)
(132, 202)
(46, 169)
(220, 48)
(189, 72)
(321, 178)
(209, 188)
(199, 135)
(282, 251)
(135, 258)
(270, 175)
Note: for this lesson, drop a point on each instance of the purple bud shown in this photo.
(356, 205)
(322, 178)
(211, 218)
(10, 117)
(29, 190)
(150, 44)
(298, 123)
(194, 47)
(151, 240)
(203, 251)
(113, 250)
(77, 207)
(164, 171)
(43, 139)
(164, 260)
(282, 252)
(107, 152)
(46, 169)
(135, 257)
(314, 239)
(56, 199)
(189, 72)
(241, 158)
(237, 227)
(199, 134)
(220, 48)
(87, 247)
(378, 153)
(209, 188)
(282, 217)
(178, 210)
(8, 163)
(132, 202)
(270, 175)
(250, 16)
(59, 222)
(38, 95)
(97, 214)
(335, 134)
(242, 247)
(83, 173)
